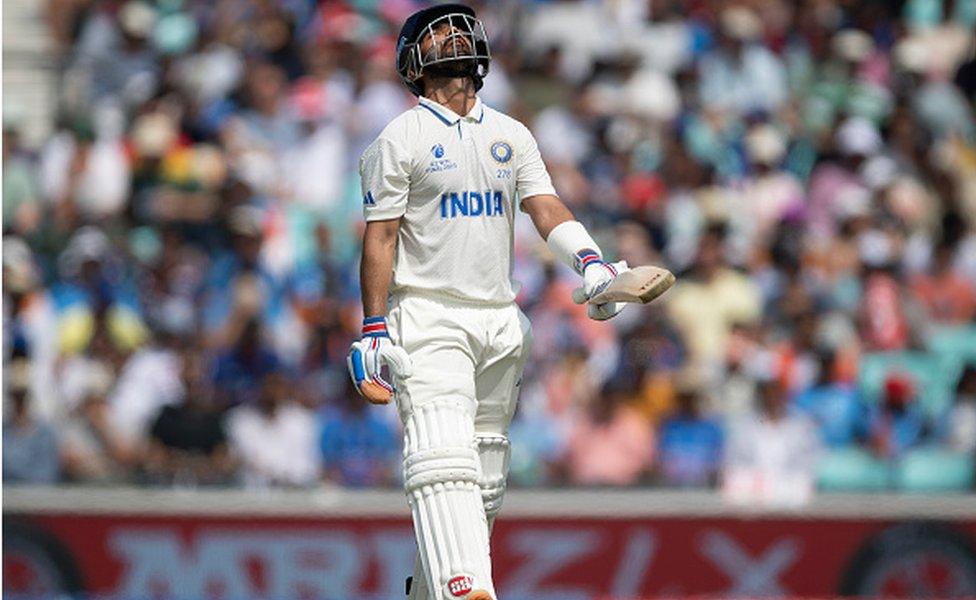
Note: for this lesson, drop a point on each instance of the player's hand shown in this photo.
(368, 356)
(597, 275)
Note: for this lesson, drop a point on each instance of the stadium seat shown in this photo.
(954, 342)
(954, 347)
(934, 377)
(851, 469)
(933, 469)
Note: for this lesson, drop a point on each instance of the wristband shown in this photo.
(571, 244)
(584, 258)
(375, 327)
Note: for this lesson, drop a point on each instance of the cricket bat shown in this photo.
(639, 285)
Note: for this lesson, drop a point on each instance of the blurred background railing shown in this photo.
(584, 544)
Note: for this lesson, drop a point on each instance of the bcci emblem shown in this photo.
(501, 151)
(437, 150)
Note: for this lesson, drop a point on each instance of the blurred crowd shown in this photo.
(180, 256)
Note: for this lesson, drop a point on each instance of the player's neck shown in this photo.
(457, 94)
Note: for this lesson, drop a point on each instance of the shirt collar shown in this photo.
(449, 117)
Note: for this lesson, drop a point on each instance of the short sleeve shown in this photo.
(384, 169)
(531, 177)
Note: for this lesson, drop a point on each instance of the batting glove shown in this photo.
(368, 356)
(597, 275)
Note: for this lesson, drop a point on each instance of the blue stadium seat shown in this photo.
(934, 377)
(851, 469)
(954, 347)
(956, 342)
(932, 469)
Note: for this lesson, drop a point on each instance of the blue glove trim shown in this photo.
(358, 371)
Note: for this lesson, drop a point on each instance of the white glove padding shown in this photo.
(596, 277)
(368, 356)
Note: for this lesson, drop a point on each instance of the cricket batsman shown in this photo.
(441, 187)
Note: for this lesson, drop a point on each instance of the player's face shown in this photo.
(446, 40)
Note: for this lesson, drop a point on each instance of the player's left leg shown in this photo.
(497, 384)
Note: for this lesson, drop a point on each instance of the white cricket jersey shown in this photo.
(456, 182)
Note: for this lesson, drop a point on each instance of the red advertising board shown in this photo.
(243, 557)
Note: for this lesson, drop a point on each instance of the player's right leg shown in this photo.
(441, 464)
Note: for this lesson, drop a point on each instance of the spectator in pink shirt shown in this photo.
(609, 442)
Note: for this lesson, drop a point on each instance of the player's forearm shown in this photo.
(546, 212)
(566, 237)
(376, 268)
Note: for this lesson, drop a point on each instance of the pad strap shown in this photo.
(494, 452)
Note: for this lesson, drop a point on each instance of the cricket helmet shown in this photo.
(461, 52)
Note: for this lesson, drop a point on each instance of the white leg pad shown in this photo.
(441, 475)
(494, 452)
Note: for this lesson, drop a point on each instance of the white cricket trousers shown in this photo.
(456, 408)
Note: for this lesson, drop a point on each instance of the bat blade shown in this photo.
(639, 285)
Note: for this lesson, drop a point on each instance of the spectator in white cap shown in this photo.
(770, 193)
(855, 141)
(742, 76)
